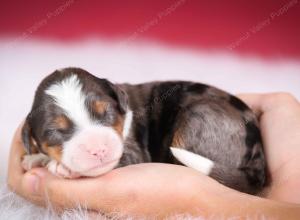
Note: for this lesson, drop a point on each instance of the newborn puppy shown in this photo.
(81, 125)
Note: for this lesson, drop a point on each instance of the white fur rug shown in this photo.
(13, 207)
(24, 64)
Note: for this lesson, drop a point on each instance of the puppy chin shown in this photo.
(101, 169)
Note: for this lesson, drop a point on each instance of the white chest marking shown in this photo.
(127, 123)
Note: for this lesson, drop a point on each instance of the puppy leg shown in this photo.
(60, 170)
(193, 160)
(133, 154)
(34, 160)
(212, 137)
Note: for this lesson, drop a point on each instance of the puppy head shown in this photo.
(78, 120)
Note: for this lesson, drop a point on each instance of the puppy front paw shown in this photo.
(60, 170)
(34, 160)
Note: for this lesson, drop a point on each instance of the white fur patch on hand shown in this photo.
(193, 160)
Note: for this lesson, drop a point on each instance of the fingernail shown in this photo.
(32, 183)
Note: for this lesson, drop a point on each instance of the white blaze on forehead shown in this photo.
(69, 96)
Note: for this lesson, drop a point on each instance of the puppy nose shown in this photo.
(97, 151)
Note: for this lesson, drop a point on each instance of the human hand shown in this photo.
(152, 190)
(143, 189)
(163, 189)
(279, 117)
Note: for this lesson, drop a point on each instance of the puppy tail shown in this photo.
(240, 179)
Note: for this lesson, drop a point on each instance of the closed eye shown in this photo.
(57, 136)
(53, 136)
(50, 132)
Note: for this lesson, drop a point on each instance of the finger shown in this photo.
(15, 170)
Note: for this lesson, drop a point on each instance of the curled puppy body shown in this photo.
(88, 126)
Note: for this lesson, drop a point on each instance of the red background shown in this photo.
(197, 24)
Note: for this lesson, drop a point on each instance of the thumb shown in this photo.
(43, 188)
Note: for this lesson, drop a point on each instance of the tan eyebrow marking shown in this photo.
(62, 122)
(99, 106)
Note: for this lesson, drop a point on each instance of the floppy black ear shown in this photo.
(119, 95)
(122, 98)
(29, 142)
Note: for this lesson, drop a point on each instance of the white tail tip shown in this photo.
(193, 160)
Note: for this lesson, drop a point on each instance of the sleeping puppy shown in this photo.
(81, 125)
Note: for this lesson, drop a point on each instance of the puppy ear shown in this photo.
(122, 98)
(28, 140)
(119, 95)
